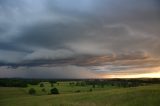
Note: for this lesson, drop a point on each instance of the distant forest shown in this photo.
(16, 82)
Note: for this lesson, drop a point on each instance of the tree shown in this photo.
(41, 85)
(32, 91)
(83, 83)
(43, 90)
(93, 85)
(54, 91)
(52, 84)
(102, 85)
(77, 83)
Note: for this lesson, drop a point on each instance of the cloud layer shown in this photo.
(105, 37)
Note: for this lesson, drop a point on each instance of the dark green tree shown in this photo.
(52, 85)
(43, 90)
(54, 91)
(32, 91)
(41, 85)
(93, 85)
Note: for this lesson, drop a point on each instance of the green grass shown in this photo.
(136, 96)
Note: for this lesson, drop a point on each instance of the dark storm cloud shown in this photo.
(80, 60)
(82, 33)
(48, 72)
(52, 34)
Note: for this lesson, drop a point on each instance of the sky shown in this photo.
(79, 38)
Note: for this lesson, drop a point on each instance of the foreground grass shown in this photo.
(138, 96)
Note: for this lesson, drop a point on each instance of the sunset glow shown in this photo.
(148, 75)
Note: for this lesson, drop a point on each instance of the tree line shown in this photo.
(6, 82)
(14, 82)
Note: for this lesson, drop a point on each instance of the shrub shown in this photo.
(54, 91)
(93, 85)
(77, 91)
(32, 91)
(90, 90)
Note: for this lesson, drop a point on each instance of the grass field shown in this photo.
(107, 96)
(66, 88)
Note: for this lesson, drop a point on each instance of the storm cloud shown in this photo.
(93, 38)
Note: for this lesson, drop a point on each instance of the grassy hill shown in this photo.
(135, 96)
